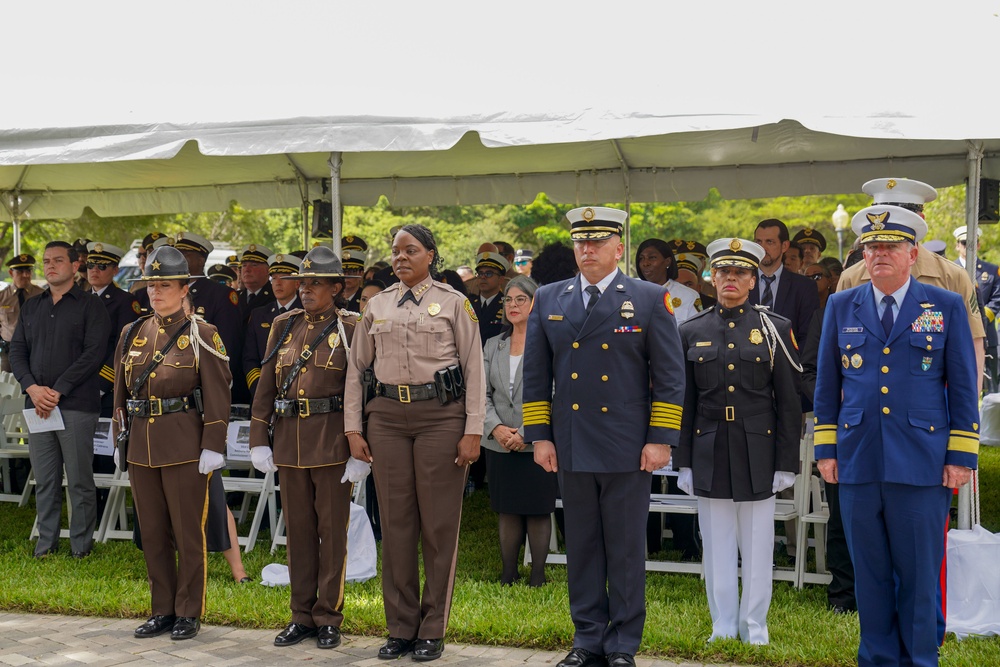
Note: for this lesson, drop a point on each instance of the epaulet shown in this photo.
(285, 315)
(349, 316)
(699, 314)
(448, 288)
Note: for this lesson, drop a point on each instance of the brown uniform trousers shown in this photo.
(10, 311)
(311, 452)
(414, 445)
(171, 496)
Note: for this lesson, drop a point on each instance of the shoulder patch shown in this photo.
(697, 305)
(234, 298)
(219, 345)
(667, 302)
(470, 311)
(136, 308)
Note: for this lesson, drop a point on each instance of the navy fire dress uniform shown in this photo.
(263, 296)
(490, 315)
(988, 291)
(894, 409)
(261, 320)
(619, 377)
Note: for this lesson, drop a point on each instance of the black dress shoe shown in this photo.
(328, 637)
(293, 634)
(186, 627)
(581, 657)
(81, 554)
(395, 647)
(246, 580)
(47, 552)
(155, 626)
(427, 649)
(839, 610)
(620, 660)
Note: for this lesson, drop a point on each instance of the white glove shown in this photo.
(262, 459)
(685, 481)
(210, 461)
(355, 470)
(117, 457)
(782, 481)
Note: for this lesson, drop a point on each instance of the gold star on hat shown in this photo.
(306, 263)
(156, 266)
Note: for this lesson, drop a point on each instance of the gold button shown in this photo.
(310, 326)
(731, 367)
(576, 407)
(698, 431)
(604, 346)
(848, 346)
(815, 420)
(885, 369)
(152, 375)
(885, 390)
(885, 350)
(701, 358)
(732, 388)
(301, 391)
(932, 429)
(604, 378)
(152, 398)
(731, 346)
(758, 358)
(847, 426)
(769, 431)
(930, 347)
(304, 370)
(732, 325)
(575, 345)
(574, 376)
(604, 409)
(885, 411)
(162, 330)
(151, 420)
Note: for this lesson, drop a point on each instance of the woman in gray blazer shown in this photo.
(521, 492)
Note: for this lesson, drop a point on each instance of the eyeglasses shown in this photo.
(100, 266)
(486, 274)
(519, 300)
(521, 262)
(815, 276)
(141, 255)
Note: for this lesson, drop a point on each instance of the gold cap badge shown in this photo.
(735, 245)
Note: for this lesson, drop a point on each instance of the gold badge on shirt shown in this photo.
(183, 342)
(333, 340)
(845, 361)
(628, 310)
(433, 309)
(756, 337)
(856, 360)
(138, 342)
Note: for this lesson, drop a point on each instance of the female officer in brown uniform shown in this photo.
(301, 391)
(172, 447)
(422, 432)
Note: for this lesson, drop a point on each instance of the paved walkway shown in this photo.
(28, 639)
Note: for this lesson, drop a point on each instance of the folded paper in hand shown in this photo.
(36, 424)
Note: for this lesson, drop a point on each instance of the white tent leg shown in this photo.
(337, 213)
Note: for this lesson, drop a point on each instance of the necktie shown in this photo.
(407, 297)
(20, 297)
(595, 294)
(767, 299)
(887, 314)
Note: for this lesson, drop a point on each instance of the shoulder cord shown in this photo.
(774, 339)
(340, 326)
(288, 327)
(197, 342)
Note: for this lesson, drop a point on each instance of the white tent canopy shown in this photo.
(189, 108)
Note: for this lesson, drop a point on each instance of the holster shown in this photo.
(4, 346)
(285, 407)
(450, 384)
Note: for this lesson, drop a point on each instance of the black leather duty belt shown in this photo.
(306, 407)
(155, 407)
(731, 412)
(406, 393)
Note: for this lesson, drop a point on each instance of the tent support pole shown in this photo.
(306, 226)
(628, 207)
(972, 222)
(337, 211)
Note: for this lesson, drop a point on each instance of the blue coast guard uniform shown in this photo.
(618, 377)
(894, 410)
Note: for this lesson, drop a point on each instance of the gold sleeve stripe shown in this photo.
(541, 420)
(825, 437)
(253, 375)
(107, 373)
(965, 434)
(252, 418)
(537, 404)
(960, 444)
(825, 427)
(659, 405)
(674, 425)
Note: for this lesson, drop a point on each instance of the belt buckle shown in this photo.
(303, 407)
(155, 407)
(404, 389)
(730, 413)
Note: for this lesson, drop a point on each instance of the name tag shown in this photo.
(557, 318)
(703, 343)
(852, 330)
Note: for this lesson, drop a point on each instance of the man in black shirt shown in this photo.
(57, 349)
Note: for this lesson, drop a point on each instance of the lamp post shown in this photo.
(841, 220)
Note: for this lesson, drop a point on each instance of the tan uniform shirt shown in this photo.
(10, 308)
(318, 439)
(178, 437)
(409, 343)
(930, 269)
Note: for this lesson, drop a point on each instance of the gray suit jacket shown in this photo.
(499, 407)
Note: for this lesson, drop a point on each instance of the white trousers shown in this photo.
(728, 530)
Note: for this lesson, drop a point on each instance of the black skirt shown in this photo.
(518, 485)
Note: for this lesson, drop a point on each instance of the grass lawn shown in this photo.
(112, 583)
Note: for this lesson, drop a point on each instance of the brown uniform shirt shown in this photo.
(409, 343)
(178, 437)
(930, 269)
(316, 440)
(10, 308)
